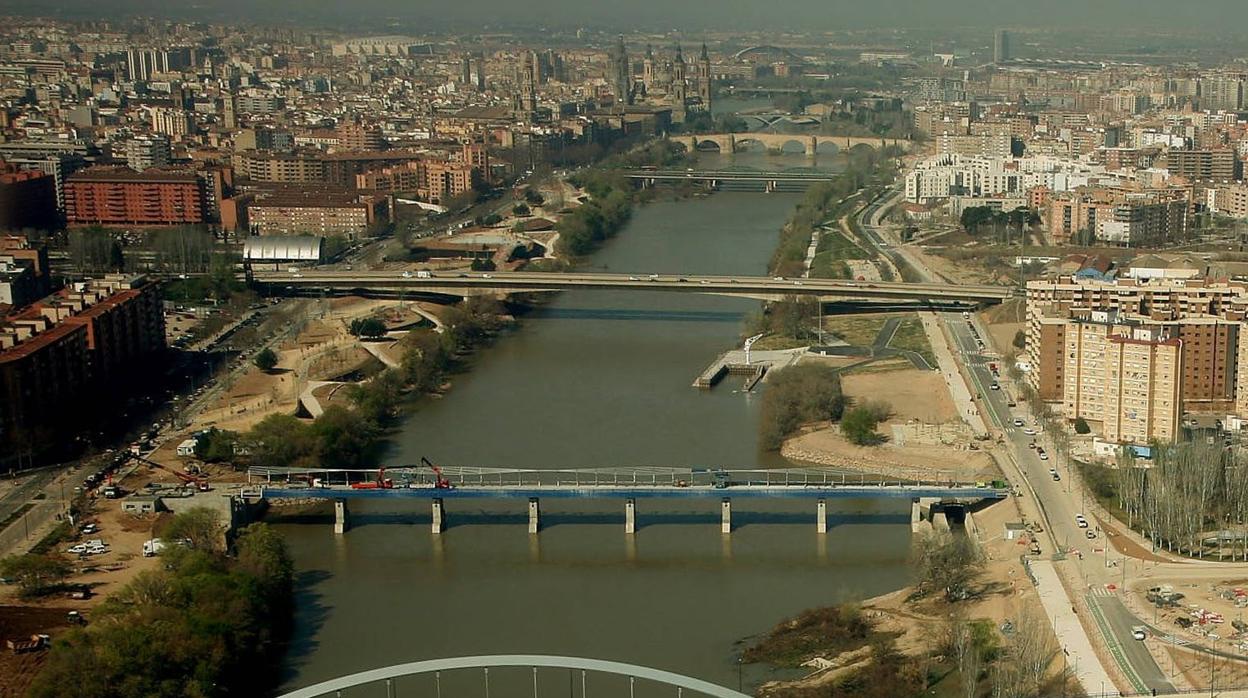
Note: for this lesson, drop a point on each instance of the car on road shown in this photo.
(1028, 431)
(995, 386)
(1018, 422)
(1080, 521)
(633, 278)
(1042, 454)
(777, 278)
(1090, 534)
(407, 274)
(1139, 632)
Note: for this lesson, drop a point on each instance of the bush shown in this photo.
(520, 210)
(858, 426)
(1020, 340)
(1081, 426)
(266, 360)
(368, 328)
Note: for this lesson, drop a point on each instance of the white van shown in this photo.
(152, 547)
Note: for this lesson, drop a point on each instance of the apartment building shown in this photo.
(315, 213)
(118, 196)
(64, 358)
(1229, 200)
(1116, 216)
(1123, 378)
(1205, 165)
(1178, 327)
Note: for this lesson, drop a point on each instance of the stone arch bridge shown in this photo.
(810, 143)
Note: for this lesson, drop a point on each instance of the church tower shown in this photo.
(647, 70)
(620, 73)
(704, 78)
(680, 88)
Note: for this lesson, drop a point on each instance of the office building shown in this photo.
(1001, 46)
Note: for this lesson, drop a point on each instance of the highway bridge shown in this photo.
(629, 484)
(758, 180)
(462, 285)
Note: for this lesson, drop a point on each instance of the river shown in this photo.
(592, 379)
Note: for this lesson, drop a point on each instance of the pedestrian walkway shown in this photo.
(949, 370)
(1081, 658)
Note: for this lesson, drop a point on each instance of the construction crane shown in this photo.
(440, 482)
(198, 482)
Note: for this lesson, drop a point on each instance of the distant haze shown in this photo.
(674, 14)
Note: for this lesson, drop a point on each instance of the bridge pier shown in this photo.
(439, 520)
(630, 516)
(725, 513)
(533, 515)
(812, 147)
(821, 516)
(342, 519)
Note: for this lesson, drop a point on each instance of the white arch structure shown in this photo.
(534, 661)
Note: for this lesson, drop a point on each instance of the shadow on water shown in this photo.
(310, 614)
(740, 519)
(631, 315)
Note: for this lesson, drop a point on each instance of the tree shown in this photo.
(368, 328)
(280, 440)
(946, 562)
(201, 527)
(858, 426)
(520, 210)
(533, 197)
(797, 395)
(1081, 426)
(345, 438)
(266, 360)
(262, 553)
(215, 445)
(36, 574)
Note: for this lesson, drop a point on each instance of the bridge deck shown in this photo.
(605, 483)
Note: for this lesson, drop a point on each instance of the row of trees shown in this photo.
(204, 624)
(1184, 493)
(1004, 227)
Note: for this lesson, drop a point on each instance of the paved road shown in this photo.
(1056, 498)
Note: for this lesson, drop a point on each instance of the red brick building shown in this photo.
(118, 196)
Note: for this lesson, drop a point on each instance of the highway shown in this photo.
(768, 288)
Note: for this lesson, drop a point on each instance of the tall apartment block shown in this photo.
(1135, 354)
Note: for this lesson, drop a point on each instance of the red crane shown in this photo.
(440, 482)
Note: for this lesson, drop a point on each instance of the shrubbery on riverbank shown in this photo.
(206, 624)
(795, 396)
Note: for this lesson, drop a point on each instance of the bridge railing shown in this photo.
(470, 476)
(389, 676)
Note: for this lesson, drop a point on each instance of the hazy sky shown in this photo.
(686, 14)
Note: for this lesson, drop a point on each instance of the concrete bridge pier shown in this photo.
(821, 517)
(921, 509)
(342, 519)
(439, 519)
(630, 516)
(533, 515)
(812, 147)
(769, 187)
(725, 511)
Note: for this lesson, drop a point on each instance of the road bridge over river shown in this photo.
(763, 288)
(760, 180)
(629, 484)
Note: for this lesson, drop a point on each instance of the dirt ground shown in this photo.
(913, 394)
(1007, 595)
(20, 622)
(824, 445)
